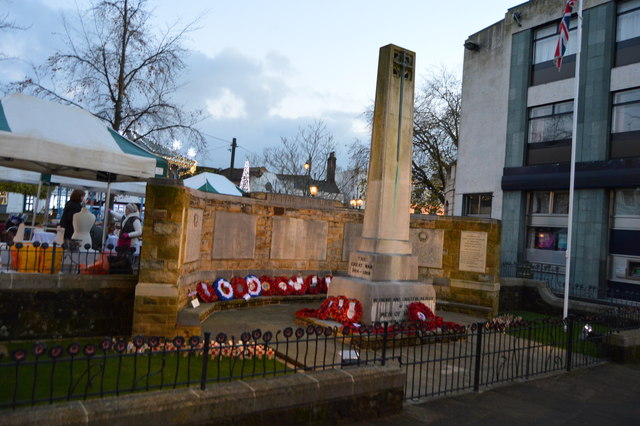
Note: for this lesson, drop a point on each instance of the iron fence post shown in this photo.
(53, 258)
(205, 360)
(476, 378)
(569, 341)
(384, 342)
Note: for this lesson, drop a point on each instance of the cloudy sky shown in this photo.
(264, 68)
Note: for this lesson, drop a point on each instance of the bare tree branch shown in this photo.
(116, 65)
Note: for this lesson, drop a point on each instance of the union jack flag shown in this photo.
(563, 37)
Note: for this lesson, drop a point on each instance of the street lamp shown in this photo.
(307, 167)
(356, 203)
(313, 190)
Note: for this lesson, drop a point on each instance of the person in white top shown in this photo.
(130, 226)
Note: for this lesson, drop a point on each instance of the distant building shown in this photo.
(515, 139)
(262, 180)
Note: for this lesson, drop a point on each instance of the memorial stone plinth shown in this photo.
(383, 274)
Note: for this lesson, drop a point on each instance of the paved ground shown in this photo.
(604, 395)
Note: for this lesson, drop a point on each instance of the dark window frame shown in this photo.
(467, 203)
(546, 71)
(623, 144)
(627, 50)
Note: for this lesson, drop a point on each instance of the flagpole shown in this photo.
(572, 173)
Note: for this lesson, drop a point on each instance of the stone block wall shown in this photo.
(38, 306)
(192, 236)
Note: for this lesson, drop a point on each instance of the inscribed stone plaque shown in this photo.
(194, 235)
(234, 236)
(427, 244)
(395, 309)
(361, 266)
(293, 238)
(473, 251)
(352, 231)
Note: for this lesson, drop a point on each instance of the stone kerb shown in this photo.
(325, 397)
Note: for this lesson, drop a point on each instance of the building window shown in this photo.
(477, 204)
(628, 33)
(547, 230)
(625, 124)
(550, 129)
(545, 40)
(28, 203)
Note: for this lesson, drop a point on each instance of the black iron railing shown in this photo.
(554, 276)
(44, 258)
(440, 362)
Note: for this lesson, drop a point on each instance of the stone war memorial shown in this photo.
(383, 272)
(384, 258)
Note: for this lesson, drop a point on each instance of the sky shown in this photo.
(262, 69)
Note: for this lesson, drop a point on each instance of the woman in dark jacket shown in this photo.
(73, 206)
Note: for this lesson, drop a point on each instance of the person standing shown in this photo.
(73, 206)
(130, 226)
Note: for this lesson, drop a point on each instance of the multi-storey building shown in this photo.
(516, 131)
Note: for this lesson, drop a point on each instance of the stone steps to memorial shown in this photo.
(485, 312)
(190, 317)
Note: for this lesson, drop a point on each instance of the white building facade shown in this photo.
(515, 139)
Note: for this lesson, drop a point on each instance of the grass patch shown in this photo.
(550, 330)
(46, 379)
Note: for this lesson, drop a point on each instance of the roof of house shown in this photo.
(301, 182)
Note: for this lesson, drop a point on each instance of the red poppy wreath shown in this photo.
(254, 286)
(298, 285)
(312, 283)
(205, 292)
(239, 287)
(267, 285)
(282, 286)
(223, 289)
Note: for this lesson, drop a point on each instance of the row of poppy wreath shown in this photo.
(349, 313)
(338, 308)
(252, 286)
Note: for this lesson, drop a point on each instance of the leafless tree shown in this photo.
(7, 24)
(352, 181)
(311, 144)
(436, 127)
(115, 65)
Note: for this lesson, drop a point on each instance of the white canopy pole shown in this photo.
(105, 221)
(36, 204)
(572, 173)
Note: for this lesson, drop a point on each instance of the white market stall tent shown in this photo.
(49, 138)
(213, 183)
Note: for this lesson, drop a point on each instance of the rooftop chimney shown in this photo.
(331, 168)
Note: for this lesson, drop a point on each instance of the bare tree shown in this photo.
(436, 127)
(7, 24)
(353, 180)
(115, 65)
(311, 145)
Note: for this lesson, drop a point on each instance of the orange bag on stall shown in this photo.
(101, 266)
(25, 259)
(46, 260)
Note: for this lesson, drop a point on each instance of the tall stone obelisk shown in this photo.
(383, 274)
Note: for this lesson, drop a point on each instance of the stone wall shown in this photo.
(192, 236)
(34, 306)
